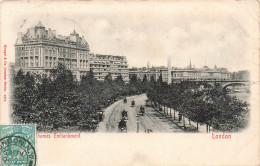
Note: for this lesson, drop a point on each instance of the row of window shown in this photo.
(113, 74)
(50, 62)
(109, 69)
(64, 55)
(110, 66)
(52, 51)
(111, 58)
(91, 65)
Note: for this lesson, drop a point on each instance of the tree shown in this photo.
(145, 79)
(119, 80)
(19, 77)
(152, 80)
(160, 80)
(133, 79)
(108, 78)
(59, 102)
(210, 106)
(24, 98)
(144, 84)
(89, 78)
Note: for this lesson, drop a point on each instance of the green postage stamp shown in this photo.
(17, 145)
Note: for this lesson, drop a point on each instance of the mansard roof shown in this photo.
(40, 34)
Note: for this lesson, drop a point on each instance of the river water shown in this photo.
(243, 96)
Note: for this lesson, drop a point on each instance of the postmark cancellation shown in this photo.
(18, 145)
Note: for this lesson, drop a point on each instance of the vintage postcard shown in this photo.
(129, 83)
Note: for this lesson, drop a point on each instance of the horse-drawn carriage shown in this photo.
(125, 100)
(133, 103)
(122, 125)
(124, 114)
(142, 110)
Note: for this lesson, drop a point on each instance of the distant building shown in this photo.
(149, 72)
(180, 74)
(190, 73)
(241, 75)
(102, 65)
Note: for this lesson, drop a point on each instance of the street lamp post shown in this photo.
(137, 123)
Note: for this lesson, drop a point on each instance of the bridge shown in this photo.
(224, 83)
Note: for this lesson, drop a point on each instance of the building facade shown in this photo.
(102, 65)
(181, 74)
(149, 72)
(204, 73)
(39, 50)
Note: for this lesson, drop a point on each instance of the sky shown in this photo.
(207, 33)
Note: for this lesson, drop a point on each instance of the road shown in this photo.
(152, 120)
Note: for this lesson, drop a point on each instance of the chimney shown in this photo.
(19, 38)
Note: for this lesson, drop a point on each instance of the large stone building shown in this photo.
(39, 50)
(102, 65)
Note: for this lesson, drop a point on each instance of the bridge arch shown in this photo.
(224, 86)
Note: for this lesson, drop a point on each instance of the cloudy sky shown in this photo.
(205, 32)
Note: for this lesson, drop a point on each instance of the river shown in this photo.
(243, 96)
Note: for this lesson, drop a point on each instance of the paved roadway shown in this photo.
(152, 120)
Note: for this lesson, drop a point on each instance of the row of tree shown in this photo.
(207, 105)
(60, 103)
